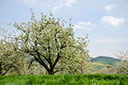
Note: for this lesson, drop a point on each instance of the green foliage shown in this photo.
(65, 80)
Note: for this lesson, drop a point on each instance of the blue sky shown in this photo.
(106, 21)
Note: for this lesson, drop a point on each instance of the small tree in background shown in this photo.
(122, 66)
(52, 45)
(8, 52)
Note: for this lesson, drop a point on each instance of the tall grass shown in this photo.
(95, 79)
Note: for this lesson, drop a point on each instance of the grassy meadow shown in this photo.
(81, 79)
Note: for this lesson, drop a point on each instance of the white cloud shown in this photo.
(84, 25)
(113, 21)
(109, 7)
(61, 3)
(31, 1)
(67, 3)
(57, 7)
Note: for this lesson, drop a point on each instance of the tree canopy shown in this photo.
(50, 43)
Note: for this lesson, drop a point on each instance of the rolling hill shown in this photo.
(105, 60)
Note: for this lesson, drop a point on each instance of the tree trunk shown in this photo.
(0, 68)
(50, 72)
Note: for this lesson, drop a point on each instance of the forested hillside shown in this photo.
(105, 60)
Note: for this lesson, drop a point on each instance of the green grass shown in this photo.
(95, 79)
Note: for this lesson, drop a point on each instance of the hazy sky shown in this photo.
(106, 21)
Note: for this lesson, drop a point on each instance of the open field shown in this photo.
(96, 79)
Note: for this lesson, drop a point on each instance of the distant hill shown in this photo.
(105, 60)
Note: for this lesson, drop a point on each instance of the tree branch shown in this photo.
(7, 69)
